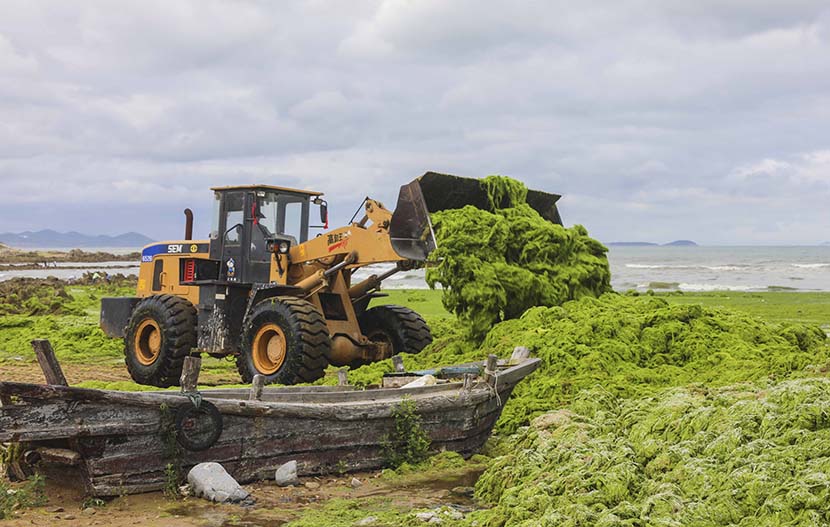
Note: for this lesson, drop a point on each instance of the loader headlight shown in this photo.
(277, 245)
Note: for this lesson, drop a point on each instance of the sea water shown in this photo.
(709, 268)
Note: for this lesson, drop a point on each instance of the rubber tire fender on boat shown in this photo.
(210, 426)
(176, 320)
(403, 327)
(308, 343)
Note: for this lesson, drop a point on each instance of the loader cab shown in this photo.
(249, 221)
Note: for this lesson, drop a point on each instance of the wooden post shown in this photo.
(490, 368)
(342, 377)
(256, 388)
(520, 353)
(190, 374)
(49, 363)
(397, 362)
(469, 379)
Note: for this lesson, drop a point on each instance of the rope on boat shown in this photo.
(495, 386)
(195, 398)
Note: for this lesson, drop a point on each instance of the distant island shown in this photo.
(48, 238)
(675, 243)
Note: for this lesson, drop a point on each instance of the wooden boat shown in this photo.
(121, 442)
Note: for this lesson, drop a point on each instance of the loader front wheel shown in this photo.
(160, 334)
(286, 340)
(404, 329)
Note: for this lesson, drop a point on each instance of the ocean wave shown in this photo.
(716, 287)
(691, 267)
(811, 265)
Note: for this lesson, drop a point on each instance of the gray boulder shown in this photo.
(286, 475)
(212, 482)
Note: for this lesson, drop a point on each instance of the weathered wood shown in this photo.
(49, 363)
(519, 354)
(256, 388)
(490, 369)
(190, 373)
(397, 362)
(62, 456)
(118, 435)
(342, 377)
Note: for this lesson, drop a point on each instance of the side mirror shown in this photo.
(324, 213)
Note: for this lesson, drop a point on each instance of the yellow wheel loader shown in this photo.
(282, 302)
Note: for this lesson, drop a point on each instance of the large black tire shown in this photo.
(286, 340)
(160, 334)
(400, 326)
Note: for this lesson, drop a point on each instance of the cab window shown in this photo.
(234, 218)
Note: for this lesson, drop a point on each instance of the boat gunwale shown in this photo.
(340, 405)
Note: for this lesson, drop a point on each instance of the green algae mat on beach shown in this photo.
(742, 455)
(494, 264)
(626, 346)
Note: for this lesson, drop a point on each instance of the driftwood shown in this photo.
(256, 388)
(342, 377)
(190, 374)
(118, 440)
(49, 363)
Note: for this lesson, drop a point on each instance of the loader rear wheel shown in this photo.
(403, 328)
(160, 334)
(286, 340)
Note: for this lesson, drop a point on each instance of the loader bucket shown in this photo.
(443, 191)
(410, 229)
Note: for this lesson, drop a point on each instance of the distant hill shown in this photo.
(633, 244)
(676, 243)
(48, 238)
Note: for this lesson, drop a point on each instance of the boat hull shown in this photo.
(123, 446)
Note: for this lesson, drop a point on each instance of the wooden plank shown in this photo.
(256, 388)
(190, 374)
(46, 434)
(514, 374)
(519, 354)
(62, 456)
(490, 369)
(49, 363)
(296, 402)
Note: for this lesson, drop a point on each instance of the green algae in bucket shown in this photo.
(493, 265)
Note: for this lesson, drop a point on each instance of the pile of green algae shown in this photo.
(626, 346)
(643, 412)
(742, 455)
(495, 264)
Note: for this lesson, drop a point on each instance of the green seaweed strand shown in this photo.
(504, 192)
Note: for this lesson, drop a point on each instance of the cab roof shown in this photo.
(268, 187)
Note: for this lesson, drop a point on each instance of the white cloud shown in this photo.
(660, 117)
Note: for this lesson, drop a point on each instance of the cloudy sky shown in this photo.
(655, 120)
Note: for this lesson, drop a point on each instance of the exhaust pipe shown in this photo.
(188, 224)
